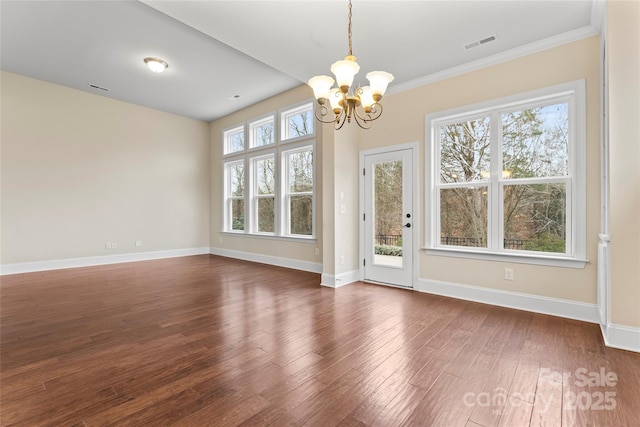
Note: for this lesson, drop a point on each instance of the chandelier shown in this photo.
(362, 104)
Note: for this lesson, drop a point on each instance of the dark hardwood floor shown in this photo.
(211, 341)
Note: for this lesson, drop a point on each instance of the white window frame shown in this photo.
(226, 139)
(250, 155)
(286, 193)
(290, 111)
(255, 196)
(254, 124)
(574, 94)
(228, 198)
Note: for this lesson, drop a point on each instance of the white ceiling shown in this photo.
(257, 49)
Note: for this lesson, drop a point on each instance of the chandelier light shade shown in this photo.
(361, 104)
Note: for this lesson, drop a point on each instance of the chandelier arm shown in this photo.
(361, 121)
(337, 123)
(324, 111)
(376, 111)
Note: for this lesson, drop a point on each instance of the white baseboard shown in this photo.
(335, 281)
(57, 264)
(622, 337)
(295, 264)
(534, 303)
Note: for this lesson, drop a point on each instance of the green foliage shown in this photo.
(546, 243)
(388, 250)
(399, 242)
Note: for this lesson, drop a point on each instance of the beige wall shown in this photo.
(79, 170)
(346, 194)
(403, 121)
(301, 250)
(623, 50)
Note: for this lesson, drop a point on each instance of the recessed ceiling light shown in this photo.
(156, 65)
(233, 97)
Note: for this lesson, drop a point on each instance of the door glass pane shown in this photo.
(387, 200)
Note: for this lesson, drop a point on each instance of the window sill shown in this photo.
(547, 260)
(309, 239)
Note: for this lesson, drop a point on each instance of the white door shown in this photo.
(388, 219)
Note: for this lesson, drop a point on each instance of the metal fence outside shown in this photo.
(394, 239)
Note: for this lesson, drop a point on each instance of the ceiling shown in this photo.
(217, 50)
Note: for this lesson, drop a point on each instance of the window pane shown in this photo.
(262, 133)
(535, 142)
(300, 171)
(236, 172)
(234, 140)
(237, 214)
(265, 176)
(266, 214)
(298, 122)
(463, 217)
(535, 217)
(464, 151)
(301, 215)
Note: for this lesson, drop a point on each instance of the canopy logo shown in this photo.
(591, 398)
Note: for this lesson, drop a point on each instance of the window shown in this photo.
(507, 177)
(262, 132)
(276, 197)
(234, 140)
(264, 199)
(299, 191)
(235, 185)
(297, 122)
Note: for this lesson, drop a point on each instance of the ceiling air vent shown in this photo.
(480, 42)
(99, 87)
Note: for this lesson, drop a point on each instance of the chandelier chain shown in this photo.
(349, 30)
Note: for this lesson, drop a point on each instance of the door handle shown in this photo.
(408, 225)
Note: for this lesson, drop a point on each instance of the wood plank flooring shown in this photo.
(212, 341)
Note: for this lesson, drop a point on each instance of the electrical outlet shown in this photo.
(342, 259)
(138, 243)
(114, 245)
(508, 274)
(317, 251)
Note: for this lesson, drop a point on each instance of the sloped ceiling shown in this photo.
(256, 49)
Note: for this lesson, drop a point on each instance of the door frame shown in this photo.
(415, 255)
